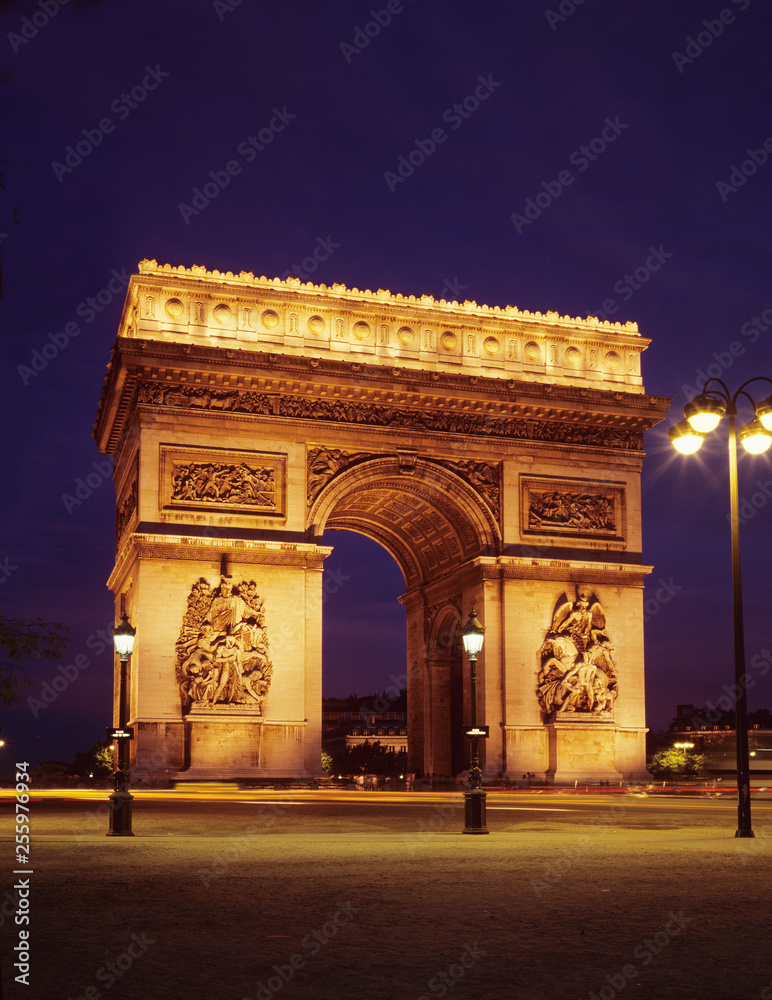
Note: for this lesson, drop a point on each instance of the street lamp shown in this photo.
(121, 799)
(702, 415)
(472, 636)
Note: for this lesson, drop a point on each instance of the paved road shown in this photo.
(354, 896)
(200, 814)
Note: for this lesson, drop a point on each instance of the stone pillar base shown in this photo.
(581, 748)
(220, 743)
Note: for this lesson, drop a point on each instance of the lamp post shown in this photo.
(472, 635)
(702, 415)
(121, 798)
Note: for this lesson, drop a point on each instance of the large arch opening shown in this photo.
(363, 633)
(434, 525)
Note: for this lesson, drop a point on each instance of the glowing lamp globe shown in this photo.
(704, 413)
(123, 637)
(472, 636)
(754, 437)
(684, 438)
(764, 413)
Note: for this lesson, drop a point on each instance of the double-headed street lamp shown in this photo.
(121, 798)
(702, 415)
(472, 636)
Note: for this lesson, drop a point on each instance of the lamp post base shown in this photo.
(745, 833)
(120, 815)
(474, 811)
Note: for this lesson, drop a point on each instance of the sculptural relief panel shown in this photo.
(577, 675)
(222, 653)
(233, 481)
(573, 507)
(126, 507)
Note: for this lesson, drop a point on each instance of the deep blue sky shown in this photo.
(220, 74)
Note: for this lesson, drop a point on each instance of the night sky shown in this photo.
(636, 129)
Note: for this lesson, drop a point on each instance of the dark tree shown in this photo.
(97, 761)
(369, 758)
(20, 640)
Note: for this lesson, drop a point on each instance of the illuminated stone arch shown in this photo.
(428, 519)
(494, 452)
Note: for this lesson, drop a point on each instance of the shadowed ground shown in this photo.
(359, 901)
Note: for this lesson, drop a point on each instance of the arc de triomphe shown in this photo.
(495, 453)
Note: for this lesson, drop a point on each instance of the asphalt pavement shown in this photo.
(372, 896)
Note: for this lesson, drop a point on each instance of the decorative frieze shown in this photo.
(573, 507)
(201, 478)
(435, 418)
(125, 510)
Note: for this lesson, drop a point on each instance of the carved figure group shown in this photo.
(378, 414)
(586, 511)
(577, 672)
(220, 483)
(222, 652)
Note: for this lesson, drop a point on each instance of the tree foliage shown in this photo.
(20, 640)
(97, 761)
(369, 758)
(672, 762)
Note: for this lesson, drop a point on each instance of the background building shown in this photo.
(712, 732)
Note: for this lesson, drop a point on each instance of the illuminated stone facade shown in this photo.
(494, 453)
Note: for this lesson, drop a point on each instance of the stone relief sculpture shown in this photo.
(323, 464)
(222, 651)
(583, 511)
(577, 672)
(483, 477)
(218, 482)
(380, 415)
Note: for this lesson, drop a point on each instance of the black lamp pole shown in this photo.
(710, 405)
(475, 797)
(121, 799)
